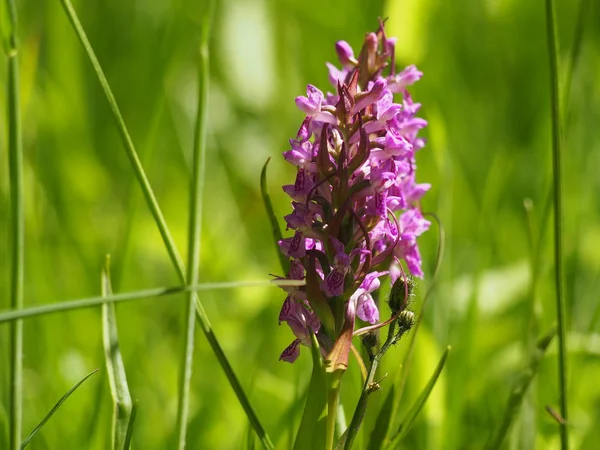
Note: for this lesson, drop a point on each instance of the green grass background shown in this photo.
(485, 93)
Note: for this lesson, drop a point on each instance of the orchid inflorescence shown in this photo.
(355, 158)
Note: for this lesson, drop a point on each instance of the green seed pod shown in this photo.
(400, 294)
(406, 320)
(371, 344)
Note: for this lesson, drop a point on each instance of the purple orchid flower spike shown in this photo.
(355, 200)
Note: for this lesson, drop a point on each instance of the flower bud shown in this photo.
(400, 294)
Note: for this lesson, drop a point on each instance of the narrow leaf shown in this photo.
(16, 233)
(415, 409)
(90, 302)
(517, 394)
(55, 408)
(127, 443)
(383, 421)
(277, 236)
(557, 197)
(311, 433)
(117, 377)
(195, 225)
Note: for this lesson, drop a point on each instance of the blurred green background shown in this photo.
(485, 93)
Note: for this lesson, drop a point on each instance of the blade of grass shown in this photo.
(55, 408)
(17, 227)
(383, 421)
(277, 236)
(34, 311)
(250, 439)
(117, 378)
(132, 416)
(201, 316)
(399, 386)
(519, 390)
(195, 225)
(128, 143)
(558, 212)
(575, 52)
(415, 409)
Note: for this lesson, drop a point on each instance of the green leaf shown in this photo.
(517, 394)
(383, 421)
(415, 409)
(115, 368)
(55, 408)
(132, 416)
(277, 236)
(312, 430)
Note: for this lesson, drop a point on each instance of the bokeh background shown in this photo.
(485, 93)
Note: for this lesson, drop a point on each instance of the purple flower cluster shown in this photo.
(356, 213)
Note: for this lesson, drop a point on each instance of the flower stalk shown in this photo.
(17, 226)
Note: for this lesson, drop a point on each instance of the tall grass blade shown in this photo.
(250, 439)
(584, 6)
(400, 384)
(275, 230)
(519, 390)
(195, 225)
(201, 316)
(117, 378)
(383, 421)
(55, 408)
(128, 143)
(90, 302)
(558, 212)
(415, 409)
(17, 225)
(132, 416)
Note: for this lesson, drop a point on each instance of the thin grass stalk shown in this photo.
(195, 224)
(415, 409)
(128, 143)
(54, 409)
(407, 361)
(201, 316)
(575, 53)
(519, 390)
(90, 302)
(115, 368)
(558, 211)
(17, 229)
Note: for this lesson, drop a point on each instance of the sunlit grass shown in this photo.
(485, 93)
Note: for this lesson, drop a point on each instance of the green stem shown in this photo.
(17, 229)
(361, 407)
(369, 386)
(90, 302)
(558, 208)
(128, 143)
(195, 224)
(333, 393)
(201, 316)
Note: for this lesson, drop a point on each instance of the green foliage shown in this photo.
(486, 96)
(54, 409)
(122, 425)
(312, 431)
